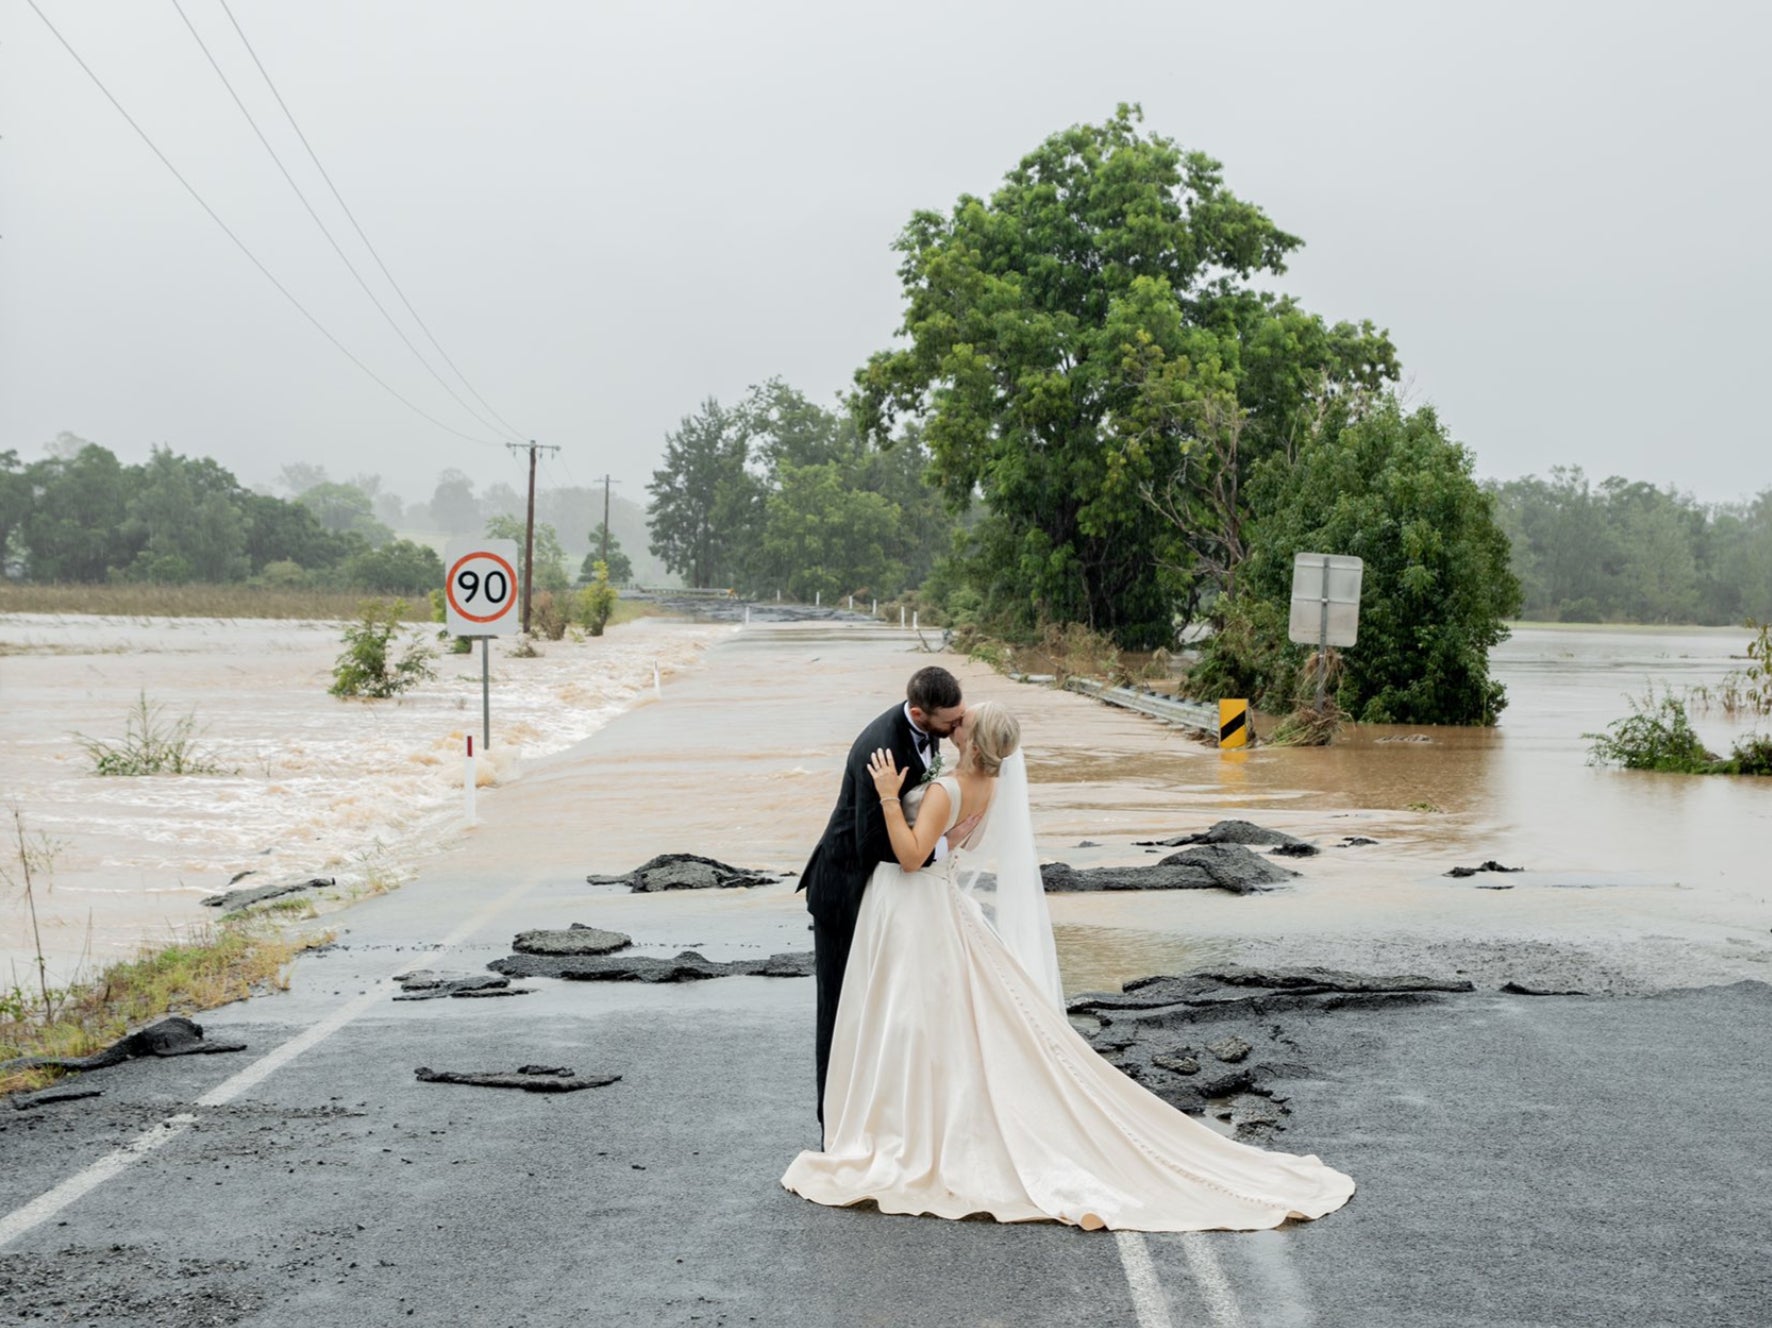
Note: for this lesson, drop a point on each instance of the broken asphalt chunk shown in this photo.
(529, 1078)
(685, 871)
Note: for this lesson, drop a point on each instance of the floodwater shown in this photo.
(313, 786)
(1665, 878)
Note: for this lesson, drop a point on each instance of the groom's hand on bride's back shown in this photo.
(962, 830)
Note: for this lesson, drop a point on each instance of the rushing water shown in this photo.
(741, 760)
(313, 785)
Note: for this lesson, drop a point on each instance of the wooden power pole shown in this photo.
(529, 528)
(604, 554)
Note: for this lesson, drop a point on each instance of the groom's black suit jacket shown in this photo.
(855, 839)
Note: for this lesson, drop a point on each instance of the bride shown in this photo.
(957, 1084)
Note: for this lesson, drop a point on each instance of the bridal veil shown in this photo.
(1016, 896)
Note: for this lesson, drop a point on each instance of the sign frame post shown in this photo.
(481, 595)
(1325, 606)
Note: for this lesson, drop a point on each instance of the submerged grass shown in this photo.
(216, 965)
(152, 744)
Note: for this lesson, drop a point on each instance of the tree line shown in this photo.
(79, 515)
(1625, 551)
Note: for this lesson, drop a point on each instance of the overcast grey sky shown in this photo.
(607, 212)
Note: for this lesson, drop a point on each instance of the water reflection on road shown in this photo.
(1614, 856)
(740, 756)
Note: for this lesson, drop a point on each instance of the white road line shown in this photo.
(1148, 1300)
(1215, 1287)
(114, 1163)
(1288, 1303)
(46, 1206)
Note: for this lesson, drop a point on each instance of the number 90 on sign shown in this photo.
(480, 591)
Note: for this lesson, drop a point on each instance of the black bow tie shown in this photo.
(927, 742)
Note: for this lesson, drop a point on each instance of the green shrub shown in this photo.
(1657, 735)
(283, 573)
(547, 616)
(597, 601)
(366, 667)
(1751, 755)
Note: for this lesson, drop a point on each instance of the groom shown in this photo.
(855, 840)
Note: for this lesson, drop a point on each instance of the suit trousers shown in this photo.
(831, 940)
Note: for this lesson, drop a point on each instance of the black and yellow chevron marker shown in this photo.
(1233, 723)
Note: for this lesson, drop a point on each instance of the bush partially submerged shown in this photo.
(367, 666)
(1658, 735)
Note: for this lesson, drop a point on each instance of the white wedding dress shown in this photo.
(958, 1086)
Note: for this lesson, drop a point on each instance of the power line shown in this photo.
(241, 244)
(315, 158)
(343, 257)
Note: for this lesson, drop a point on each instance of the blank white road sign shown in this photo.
(1325, 576)
(480, 589)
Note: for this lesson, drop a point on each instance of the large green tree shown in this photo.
(186, 517)
(824, 537)
(1063, 336)
(705, 504)
(1393, 489)
(618, 568)
(73, 529)
(818, 476)
(15, 502)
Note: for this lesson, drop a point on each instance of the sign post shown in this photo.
(1325, 606)
(480, 594)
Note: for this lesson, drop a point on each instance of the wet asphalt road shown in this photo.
(1521, 1160)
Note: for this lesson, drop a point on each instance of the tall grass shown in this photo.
(212, 966)
(133, 600)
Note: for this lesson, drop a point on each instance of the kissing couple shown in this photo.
(950, 1080)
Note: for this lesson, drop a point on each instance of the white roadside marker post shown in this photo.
(468, 782)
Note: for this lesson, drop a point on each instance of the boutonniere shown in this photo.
(934, 769)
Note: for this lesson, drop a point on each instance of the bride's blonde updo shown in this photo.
(995, 735)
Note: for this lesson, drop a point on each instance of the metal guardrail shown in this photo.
(683, 592)
(1158, 705)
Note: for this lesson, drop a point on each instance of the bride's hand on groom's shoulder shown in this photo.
(888, 778)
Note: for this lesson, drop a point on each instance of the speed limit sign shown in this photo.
(481, 589)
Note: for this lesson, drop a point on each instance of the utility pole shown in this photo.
(529, 527)
(604, 555)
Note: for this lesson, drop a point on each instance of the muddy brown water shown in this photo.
(1658, 880)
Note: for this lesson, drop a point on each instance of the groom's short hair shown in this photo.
(932, 689)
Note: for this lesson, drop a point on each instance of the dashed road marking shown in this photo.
(1215, 1287)
(1149, 1302)
(158, 1135)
